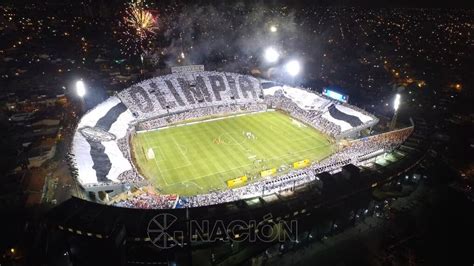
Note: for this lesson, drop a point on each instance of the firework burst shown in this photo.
(138, 26)
(142, 21)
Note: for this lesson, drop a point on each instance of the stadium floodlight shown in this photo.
(396, 102)
(293, 67)
(271, 55)
(273, 28)
(80, 88)
(396, 105)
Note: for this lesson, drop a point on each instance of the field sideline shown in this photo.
(200, 157)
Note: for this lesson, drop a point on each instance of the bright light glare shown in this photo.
(273, 28)
(293, 67)
(80, 88)
(396, 102)
(271, 55)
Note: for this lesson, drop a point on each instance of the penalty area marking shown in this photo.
(156, 163)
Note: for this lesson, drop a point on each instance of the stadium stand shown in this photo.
(96, 154)
(329, 116)
(183, 91)
(335, 113)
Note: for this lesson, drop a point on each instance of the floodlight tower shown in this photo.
(396, 105)
(293, 68)
(81, 92)
(271, 55)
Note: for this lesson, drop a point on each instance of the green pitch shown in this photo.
(200, 157)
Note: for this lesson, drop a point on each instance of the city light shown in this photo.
(80, 88)
(457, 86)
(271, 55)
(396, 102)
(293, 68)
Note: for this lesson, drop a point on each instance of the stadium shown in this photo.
(194, 138)
(289, 165)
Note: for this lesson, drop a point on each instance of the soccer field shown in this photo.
(199, 157)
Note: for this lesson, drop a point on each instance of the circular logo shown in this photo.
(158, 230)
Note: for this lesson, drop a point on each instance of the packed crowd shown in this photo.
(263, 187)
(318, 118)
(130, 176)
(357, 149)
(198, 113)
(123, 146)
(147, 200)
(154, 92)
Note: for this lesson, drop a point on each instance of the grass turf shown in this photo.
(200, 157)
